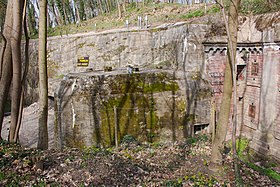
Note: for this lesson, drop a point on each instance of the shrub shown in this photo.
(128, 139)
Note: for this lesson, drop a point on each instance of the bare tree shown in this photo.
(6, 62)
(26, 66)
(43, 79)
(11, 64)
(222, 124)
(17, 66)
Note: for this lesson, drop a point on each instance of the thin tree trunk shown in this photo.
(17, 66)
(26, 54)
(231, 27)
(43, 79)
(65, 13)
(123, 5)
(78, 18)
(5, 81)
(107, 6)
(100, 7)
(119, 9)
(56, 17)
(6, 63)
(2, 52)
(232, 33)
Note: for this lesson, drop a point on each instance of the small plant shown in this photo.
(268, 172)
(92, 150)
(196, 13)
(41, 183)
(174, 183)
(203, 138)
(127, 154)
(197, 138)
(245, 154)
(128, 139)
(156, 144)
(191, 140)
(213, 10)
(241, 146)
(201, 180)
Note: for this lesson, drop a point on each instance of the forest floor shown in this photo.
(131, 164)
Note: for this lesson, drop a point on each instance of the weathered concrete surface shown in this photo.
(150, 105)
(266, 135)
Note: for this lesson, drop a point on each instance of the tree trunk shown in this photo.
(6, 79)
(43, 79)
(17, 66)
(100, 7)
(64, 13)
(222, 125)
(6, 62)
(119, 9)
(4, 43)
(23, 83)
(78, 18)
(53, 9)
(232, 33)
(106, 6)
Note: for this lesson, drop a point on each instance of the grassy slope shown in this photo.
(157, 14)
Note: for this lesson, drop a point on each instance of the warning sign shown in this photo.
(83, 62)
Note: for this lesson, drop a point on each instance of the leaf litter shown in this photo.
(131, 164)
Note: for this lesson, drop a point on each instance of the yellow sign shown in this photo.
(83, 62)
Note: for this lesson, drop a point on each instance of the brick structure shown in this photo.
(258, 91)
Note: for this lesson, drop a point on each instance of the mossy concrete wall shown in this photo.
(150, 105)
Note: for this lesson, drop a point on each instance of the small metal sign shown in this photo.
(83, 62)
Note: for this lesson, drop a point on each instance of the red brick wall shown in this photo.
(252, 90)
(215, 69)
(248, 89)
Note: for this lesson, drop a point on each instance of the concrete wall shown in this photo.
(151, 106)
(161, 46)
(176, 48)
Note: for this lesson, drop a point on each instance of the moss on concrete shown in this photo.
(133, 97)
(146, 103)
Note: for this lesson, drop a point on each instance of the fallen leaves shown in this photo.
(179, 164)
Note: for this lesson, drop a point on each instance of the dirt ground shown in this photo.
(132, 164)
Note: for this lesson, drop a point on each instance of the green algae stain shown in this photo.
(135, 116)
(135, 103)
(143, 83)
(136, 99)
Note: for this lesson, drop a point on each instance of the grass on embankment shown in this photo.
(248, 156)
